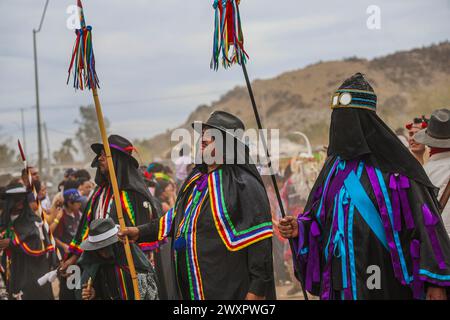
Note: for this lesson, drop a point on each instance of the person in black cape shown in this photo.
(371, 228)
(221, 222)
(105, 275)
(28, 246)
(138, 205)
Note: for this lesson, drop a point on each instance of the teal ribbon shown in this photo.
(351, 253)
(365, 207)
(339, 238)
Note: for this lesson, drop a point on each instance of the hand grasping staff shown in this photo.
(88, 291)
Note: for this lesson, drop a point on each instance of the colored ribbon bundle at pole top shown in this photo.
(228, 39)
(83, 60)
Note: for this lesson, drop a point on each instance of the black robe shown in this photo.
(371, 228)
(30, 256)
(138, 205)
(111, 278)
(221, 226)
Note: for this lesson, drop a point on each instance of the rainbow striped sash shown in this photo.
(234, 240)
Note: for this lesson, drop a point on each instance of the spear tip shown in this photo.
(22, 154)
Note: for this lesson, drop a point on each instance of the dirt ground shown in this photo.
(282, 294)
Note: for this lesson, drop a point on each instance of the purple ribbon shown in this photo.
(313, 265)
(400, 204)
(202, 182)
(120, 148)
(301, 230)
(417, 284)
(430, 223)
(326, 274)
(386, 224)
(335, 186)
(331, 190)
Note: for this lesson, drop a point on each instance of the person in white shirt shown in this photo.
(437, 137)
(416, 148)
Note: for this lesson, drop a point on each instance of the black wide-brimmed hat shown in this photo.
(118, 143)
(13, 189)
(102, 233)
(437, 134)
(225, 122)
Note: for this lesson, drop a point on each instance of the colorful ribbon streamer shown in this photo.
(228, 39)
(83, 61)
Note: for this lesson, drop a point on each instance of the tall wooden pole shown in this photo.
(113, 180)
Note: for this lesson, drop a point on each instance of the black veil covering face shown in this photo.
(104, 271)
(234, 152)
(131, 180)
(128, 176)
(357, 132)
(397, 227)
(24, 222)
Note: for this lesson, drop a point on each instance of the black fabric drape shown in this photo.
(357, 132)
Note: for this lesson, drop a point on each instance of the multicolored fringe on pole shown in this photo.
(83, 61)
(228, 40)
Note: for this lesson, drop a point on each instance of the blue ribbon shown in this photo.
(351, 253)
(365, 207)
(339, 238)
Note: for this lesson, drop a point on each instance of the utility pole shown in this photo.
(36, 81)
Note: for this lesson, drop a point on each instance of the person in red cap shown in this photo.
(416, 148)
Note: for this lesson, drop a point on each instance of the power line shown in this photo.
(118, 103)
(61, 132)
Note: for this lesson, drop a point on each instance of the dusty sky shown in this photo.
(153, 55)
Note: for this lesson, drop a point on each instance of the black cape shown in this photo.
(396, 233)
(30, 256)
(224, 249)
(138, 205)
(111, 278)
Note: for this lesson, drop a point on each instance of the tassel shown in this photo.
(228, 38)
(83, 60)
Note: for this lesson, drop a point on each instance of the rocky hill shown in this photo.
(408, 84)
